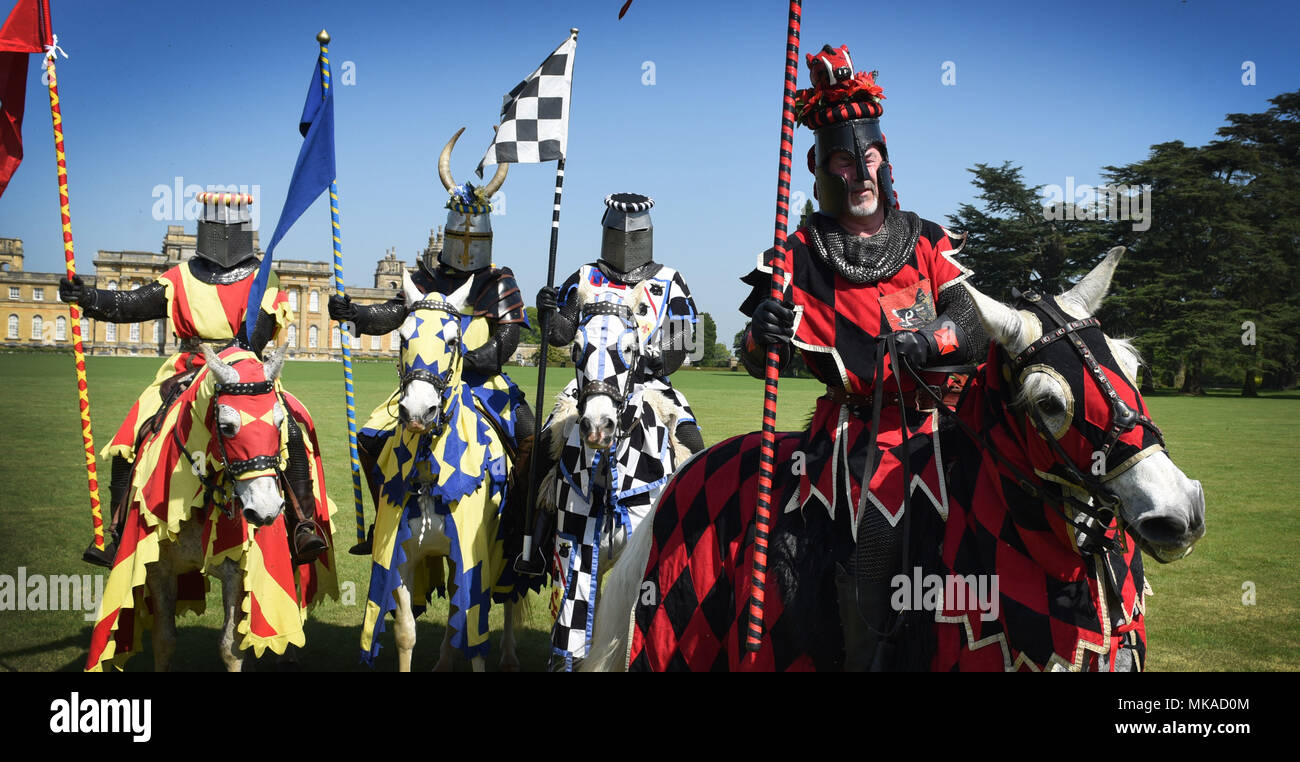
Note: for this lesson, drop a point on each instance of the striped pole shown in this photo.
(78, 352)
(767, 454)
(345, 330)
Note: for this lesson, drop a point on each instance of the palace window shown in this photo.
(37, 325)
(13, 327)
(110, 332)
(313, 301)
(312, 333)
(112, 285)
(135, 333)
(374, 342)
(293, 299)
(293, 336)
(393, 340)
(15, 293)
(85, 329)
(38, 294)
(61, 329)
(335, 337)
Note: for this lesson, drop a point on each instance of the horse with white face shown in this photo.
(208, 497)
(1056, 476)
(444, 468)
(612, 440)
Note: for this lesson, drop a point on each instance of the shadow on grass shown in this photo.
(330, 648)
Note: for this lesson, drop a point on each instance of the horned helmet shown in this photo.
(467, 238)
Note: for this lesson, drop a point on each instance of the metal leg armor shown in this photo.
(306, 538)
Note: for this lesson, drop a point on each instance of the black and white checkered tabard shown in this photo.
(593, 518)
(535, 116)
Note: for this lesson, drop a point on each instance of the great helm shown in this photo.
(225, 235)
(627, 241)
(843, 109)
(467, 240)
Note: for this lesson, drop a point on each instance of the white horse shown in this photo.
(612, 436)
(1160, 507)
(235, 397)
(435, 405)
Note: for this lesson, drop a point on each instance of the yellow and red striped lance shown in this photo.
(78, 352)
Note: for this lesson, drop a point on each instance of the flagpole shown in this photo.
(345, 334)
(544, 319)
(78, 351)
(772, 371)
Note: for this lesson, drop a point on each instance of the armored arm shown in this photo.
(374, 319)
(956, 337)
(149, 302)
(489, 358)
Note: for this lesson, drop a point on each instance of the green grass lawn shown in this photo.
(1242, 450)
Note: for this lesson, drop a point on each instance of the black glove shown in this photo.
(652, 366)
(342, 309)
(773, 322)
(72, 290)
(548, 299)
(483, 360)
(914, 348)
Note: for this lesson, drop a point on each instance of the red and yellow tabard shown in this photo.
(196, 310)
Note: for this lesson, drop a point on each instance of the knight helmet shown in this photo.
(467, 241)
(843, 109)
(627, 241)
(225, 235)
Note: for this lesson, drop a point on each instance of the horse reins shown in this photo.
(1123, 419)
(591, 388)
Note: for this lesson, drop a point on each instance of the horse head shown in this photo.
(246, 420)
(606, 355)
(1077, 388)
(431, 358)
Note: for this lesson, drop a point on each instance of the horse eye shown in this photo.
(1051, 406)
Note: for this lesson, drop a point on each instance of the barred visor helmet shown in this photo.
(225, 235)
(467, 240)
(843, 110)
(627, 241)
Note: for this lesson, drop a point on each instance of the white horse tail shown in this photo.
(611, 634)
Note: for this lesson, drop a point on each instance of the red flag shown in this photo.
(26, 31)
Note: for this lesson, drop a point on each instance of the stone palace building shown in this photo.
(34, 316)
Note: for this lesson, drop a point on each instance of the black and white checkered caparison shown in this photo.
(535, 116)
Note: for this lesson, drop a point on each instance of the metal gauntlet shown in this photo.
(149, 302)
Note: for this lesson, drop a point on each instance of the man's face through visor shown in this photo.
(852, 173)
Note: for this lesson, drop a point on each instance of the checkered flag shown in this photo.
(535, 116)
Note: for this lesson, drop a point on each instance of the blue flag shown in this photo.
(313, 173)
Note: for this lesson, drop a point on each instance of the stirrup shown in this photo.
(105, 557)
(366, 546)
(312, 544)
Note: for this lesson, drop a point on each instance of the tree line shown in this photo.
(1207, 288)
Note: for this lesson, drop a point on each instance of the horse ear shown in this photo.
(1089, 292)
(224, 373)
(1002, 323)
(275, 363)
(410, 290)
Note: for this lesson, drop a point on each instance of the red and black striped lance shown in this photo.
(767, 452)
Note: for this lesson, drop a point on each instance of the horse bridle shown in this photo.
(440, 382)
(590, 388)
(1122, 417)
(1107, 505)
(232, 468)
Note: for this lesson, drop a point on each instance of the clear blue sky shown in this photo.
(159, 90)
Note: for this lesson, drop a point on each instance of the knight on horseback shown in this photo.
(464, 272)
(634, 319)
(868, 285)
(204, 300)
